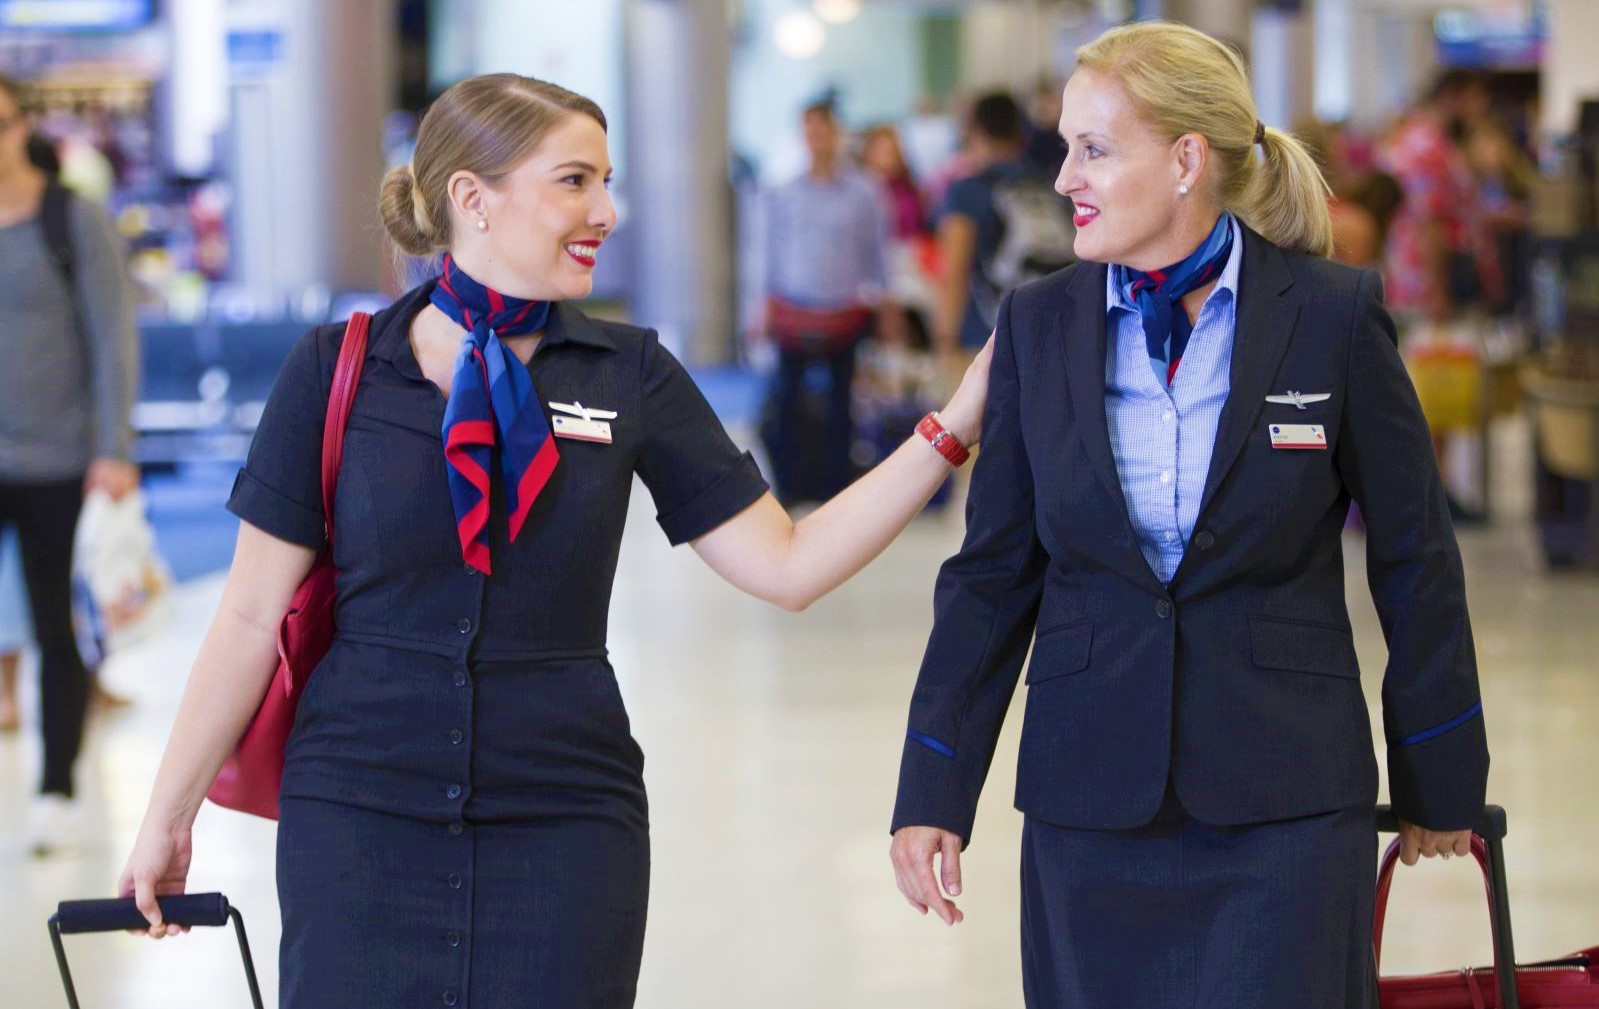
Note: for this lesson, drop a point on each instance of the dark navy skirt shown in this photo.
(383, 911)
(1179, 915)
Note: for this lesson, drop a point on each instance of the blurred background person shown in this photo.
(827, 277)
(1046, 151)
(1002, 226)
(64, 432)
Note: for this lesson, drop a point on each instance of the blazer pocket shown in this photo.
(1303, 647)
(1060, 651)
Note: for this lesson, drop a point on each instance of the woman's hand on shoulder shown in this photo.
(157, 866)
(963, 417)
(1416, 843)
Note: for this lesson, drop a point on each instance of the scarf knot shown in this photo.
(492, 405)
(1158, 294)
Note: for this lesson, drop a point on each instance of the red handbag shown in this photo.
(253, 773)
(1554, 984)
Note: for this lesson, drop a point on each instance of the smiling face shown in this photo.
(546, 218)
(1123, 179)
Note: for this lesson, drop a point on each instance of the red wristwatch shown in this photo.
(945, 443)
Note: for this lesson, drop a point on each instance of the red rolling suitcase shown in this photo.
(1568, 983)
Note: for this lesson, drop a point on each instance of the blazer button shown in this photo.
(1205, 540)
(453, 939)
(455, 881)
(456, 830)
(456, 736)
(459, 679)
(463, 625)
(1163, 609)
(450, 998)
(453, 792)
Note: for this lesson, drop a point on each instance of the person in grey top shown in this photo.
(64, 428)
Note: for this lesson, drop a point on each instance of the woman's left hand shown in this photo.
(963, 418)
(1416, 843)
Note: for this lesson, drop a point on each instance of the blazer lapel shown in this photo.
(1266, 314)
(1080, 328)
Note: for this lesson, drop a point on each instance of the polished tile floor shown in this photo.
(772, 744)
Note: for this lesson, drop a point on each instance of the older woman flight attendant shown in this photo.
(463, 817)
(1175, 431)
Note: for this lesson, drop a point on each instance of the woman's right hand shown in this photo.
(157, 866)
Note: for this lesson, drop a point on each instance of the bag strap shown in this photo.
(346, 377)
(58, 233)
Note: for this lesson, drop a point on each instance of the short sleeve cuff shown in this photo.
(741, 486)
(276, 515)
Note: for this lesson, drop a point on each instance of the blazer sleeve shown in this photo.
(1432, 708)
(985, 607)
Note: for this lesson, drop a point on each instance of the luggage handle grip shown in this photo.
(198, 910)
(1491, 827)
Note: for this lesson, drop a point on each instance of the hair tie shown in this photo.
(1260, 132)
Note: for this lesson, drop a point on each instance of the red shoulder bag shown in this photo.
(253, 774)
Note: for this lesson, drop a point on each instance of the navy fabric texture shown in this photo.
(1177, 914)
(463, 721)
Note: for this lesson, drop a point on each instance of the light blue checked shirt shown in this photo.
(1162, 440)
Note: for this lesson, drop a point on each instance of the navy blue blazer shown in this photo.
(1238, 682)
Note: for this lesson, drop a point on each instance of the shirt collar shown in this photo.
(393, 327)
(1228, 281)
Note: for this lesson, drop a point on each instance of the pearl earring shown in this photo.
(482, 225)
(1183, 189)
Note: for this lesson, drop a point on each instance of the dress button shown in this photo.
(1168, 416)
(470, 569)
(1205, 540)
(459, 678)
(455, 881)
(1165, 477)
(456, 736)
(456, 829)
(1163, 609)
(453, 939)
(450, 997)
(453, 792)
(464, 625)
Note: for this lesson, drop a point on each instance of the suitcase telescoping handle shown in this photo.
(196, 910)
(1492, 829)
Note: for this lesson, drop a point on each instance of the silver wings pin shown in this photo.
(1300, 400)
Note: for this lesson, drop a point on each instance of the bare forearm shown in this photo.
(230, 676)
(833, 543)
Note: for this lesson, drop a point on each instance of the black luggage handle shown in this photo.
(1492, 828)
(195, 910)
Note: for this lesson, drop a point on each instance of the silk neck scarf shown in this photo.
(1158, 294)
(492, 405)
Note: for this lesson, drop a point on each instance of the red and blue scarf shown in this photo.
(1158, 294)
(492, 402)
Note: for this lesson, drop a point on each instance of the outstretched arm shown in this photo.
(764, 553)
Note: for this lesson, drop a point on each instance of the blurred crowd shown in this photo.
(876, 283)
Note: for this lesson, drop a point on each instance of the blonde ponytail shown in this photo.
(1183, 81)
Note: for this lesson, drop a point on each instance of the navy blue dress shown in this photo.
(463, 817)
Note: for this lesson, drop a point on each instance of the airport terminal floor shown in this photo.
(772, 744)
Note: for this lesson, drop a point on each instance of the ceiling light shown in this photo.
(837, 12)
(799, 36)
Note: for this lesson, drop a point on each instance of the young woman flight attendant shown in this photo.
(463, 817)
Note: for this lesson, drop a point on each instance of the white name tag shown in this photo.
(1297, 436)
(583, 430)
